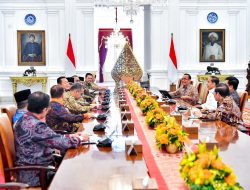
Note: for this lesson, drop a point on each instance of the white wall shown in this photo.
(50, 17)
(185, 18)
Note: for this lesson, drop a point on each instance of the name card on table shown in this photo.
(160, 103)
(154, 97)
(166, 108)
(210, 142)
(122, 97)
(124, 107)
(190, 129)
(122, 102)
(125, 115)
(121, 93)
(140, 184)
(149, 92)
(128, 126)
(178, 117)
(130, 145)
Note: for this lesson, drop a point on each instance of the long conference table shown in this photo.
(91, 168)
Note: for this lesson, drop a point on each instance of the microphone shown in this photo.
(87, 143)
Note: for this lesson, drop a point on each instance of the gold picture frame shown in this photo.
(212, 45)
(31, 48)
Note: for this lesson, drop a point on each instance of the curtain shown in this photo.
(102, 38)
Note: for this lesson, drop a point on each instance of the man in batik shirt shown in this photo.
(232, 83)
(227, 110)
(35, 141)
(58, 117)
(187, 91)
(71, 100)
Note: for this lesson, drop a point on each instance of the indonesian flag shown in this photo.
(172, 64)
(70, 60)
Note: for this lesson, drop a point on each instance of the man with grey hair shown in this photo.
(212, 51)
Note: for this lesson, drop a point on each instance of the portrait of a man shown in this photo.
(31, 48)
(212, 45)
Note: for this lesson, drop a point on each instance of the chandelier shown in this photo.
(130, 7)
(116, 37)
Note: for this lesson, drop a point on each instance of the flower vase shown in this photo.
(171, 148)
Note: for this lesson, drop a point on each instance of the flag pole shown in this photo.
(172, 35)
(172, 85)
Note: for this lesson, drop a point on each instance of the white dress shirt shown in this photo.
(211, 103)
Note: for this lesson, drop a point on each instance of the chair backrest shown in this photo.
(10, 110)
(205, 94)
(243, 100)
(198, 87)
(7, 148)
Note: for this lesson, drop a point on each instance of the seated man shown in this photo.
(88, 87)
(71, 100)
(232, 83)
(21, 98)
(227, 110)
(187, 91)
(76, 78)
(211, 103)
(58, 118)
(89, 82)
(64, 83)
(35, 141)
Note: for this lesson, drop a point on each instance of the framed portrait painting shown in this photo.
(31, 47)
(212, 45)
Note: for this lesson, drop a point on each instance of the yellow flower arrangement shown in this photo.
(132, 87)
(148, 104)
(170, 132)
(155, 117)
(137, 91)
(204, 170)
(140, 97)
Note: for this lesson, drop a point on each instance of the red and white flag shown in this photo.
(172, 64)
(70, 60)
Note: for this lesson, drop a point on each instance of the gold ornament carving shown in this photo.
(126, 66)
(28, 81)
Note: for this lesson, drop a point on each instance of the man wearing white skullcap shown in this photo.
(212, 51)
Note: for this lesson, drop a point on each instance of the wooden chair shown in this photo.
(243, 100)
(203, 92)
(10, 110)
(198, 87)
(7, 152)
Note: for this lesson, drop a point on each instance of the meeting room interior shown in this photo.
(124, 94)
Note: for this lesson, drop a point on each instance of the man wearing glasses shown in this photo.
(187, 91)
